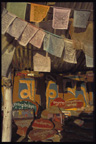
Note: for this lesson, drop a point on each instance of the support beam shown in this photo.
(7, 111)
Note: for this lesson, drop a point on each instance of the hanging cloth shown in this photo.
(6, 21)
(89, 61)
(16, 28)
(4, 12)
(27, 34)
(17, 8)
(69, 52)
(81, 18)
(38, 12)
(37, 39)
(53, 44)
(60, 18)
(41, 62)
(6, 61)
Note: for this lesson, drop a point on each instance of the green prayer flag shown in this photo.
(17, 8)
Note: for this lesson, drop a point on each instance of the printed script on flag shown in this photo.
(69, 52)
(81, 18)
(27, 34)
(7, 19)
(38, 12)
(17, 28)
(60, 18)
(41, 62)
(37, 39)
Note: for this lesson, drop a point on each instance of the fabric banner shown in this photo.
(81, 18)
(70, 52)
(89, 61)
(53, 44)
(27, 34)
(41, 62)
(37, 39)
(88, 48)
(6, 61)
(17, 8)
(6, 21)
(38, 12)
(4, 12)
(60, 18)
(16, 28)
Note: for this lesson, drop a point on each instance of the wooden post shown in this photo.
(7, 111)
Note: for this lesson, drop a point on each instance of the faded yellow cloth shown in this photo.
(38, 12)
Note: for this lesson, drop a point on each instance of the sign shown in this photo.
(51, 92)
(58, 102)
(73, 104)
(42, 124)
(39, 134)
(23, 105)
(27, 89)
(23, 114)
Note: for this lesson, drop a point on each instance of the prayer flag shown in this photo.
(41, 62)
(37, 39)
(38, 12)
(69, 52)
(17, 8)
(60, 18)
(53, 44)
(27, 34)
(16, 28)
(81, 18)
(89, 61)
(6, 61)
(7, 19)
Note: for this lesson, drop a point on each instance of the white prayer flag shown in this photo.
(60, 18)
(27, 34)
(16, 28)
(7, 19)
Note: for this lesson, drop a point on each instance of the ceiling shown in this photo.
(23, 56)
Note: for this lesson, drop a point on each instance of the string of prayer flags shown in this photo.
(37, 39)
(60, 18)
(53, 44)
(69, 52)
(41, 62)
(6, 61)
(89, 61)
(7, 19)
(27, 34)
(81, 18)
(17, 8)
(16, 28)
(38, 12)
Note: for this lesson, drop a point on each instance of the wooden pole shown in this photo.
(7, 111)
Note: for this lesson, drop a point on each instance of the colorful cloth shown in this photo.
(81, 18)
(16, 28)
(60, 18)
(6, 21)
(17, 8)
(89, 61)
(27, 34)
(41, 62)
(37, 39)
(69, 52)
(53, 44)
(38, 12)
(6, 61)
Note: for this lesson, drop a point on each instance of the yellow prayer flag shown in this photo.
(38, 12)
